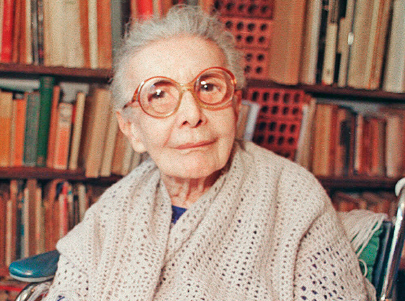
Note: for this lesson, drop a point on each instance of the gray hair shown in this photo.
(180, 20)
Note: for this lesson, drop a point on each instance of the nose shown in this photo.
(190, 113)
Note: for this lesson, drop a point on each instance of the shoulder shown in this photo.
(122, 192)
(291, 180)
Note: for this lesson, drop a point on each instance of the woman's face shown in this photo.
(193, 142)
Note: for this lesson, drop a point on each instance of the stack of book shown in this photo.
(79, 34)
(36, 215)
(354, 43)
(41, 130)
(377, 201)
(341, 141)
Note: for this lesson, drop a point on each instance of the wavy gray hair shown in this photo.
(180, 20)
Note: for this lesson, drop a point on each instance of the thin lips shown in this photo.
(194, 145)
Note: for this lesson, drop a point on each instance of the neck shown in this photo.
(185, 192)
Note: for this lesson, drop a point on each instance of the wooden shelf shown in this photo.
(358, 182)
(83, 74)
(44, 173)
(336, 92)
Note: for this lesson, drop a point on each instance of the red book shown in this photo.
(7, 35)
(144, 9)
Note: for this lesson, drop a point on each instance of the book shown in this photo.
(109, 145)
(18, 131)
(84, 31)
(144, 9)
(305, 140)
(376, 202)
(394, 75)
(39, 222)
(344, 143)
(252, 116)
(74, 53)
(52, 126)
(62, 137)
(7, 31)
(34, 32)
(285, 49)
(104, 37)
(96, 111)
(77, 130)
(328, 67)
(54, 18)
(345, 41)
(17, 30)
(40, 31)
(6, 113)
(31, 129)
(45, 95)
(324, 135)
(394, 142)
(310, 42)
(377, 146)
(348, 201)
(11, 223)
(377, 45)
(361, 42)
(93, 34)
(30, 202)
(29, 59)
(117, 23)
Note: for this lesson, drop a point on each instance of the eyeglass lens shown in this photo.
(161, 96)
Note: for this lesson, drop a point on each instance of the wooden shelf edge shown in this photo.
(80, 73)
(333, 91)
(44, 173)
(358, 182)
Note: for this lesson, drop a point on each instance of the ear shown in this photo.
(237, 103)
(132, 131)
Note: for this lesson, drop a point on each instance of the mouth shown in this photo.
(195, 145)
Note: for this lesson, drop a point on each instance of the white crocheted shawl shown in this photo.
(266, 230)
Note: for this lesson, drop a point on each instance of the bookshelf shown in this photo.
(336, 92)
(11, 70)
(80, 74)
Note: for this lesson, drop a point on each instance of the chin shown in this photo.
(194, 170)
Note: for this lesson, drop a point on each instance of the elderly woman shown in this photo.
(206, 217)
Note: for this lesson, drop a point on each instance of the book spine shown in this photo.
(34, 31)
(31, 129)
(63, 136)
(104, 37)
(46, 94)
(92, 9)
(7, 31)
(6, 107)
(52, 126)
(17, 156)
(17, 31)
(144, 9)
(77, 131)
(40, 18)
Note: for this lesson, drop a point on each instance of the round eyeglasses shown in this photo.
(160, 96)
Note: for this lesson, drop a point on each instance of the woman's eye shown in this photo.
(208, 87)
(158, 94)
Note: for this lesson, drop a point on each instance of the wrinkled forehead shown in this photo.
(180, 58)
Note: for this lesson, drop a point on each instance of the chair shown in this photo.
(384, 270)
